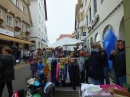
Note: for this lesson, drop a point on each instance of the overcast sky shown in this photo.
(61, 16)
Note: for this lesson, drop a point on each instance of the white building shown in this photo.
(39, 16)
(100, 15)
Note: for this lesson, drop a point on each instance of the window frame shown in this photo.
(15, 22)
(87, 21)
(27, 28)
(90, 15)
(23, 9)
(11, 24)
(95, 6)
(22, 27)
(16, 2)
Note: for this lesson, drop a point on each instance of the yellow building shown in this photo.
(81, 19)
(15, 22)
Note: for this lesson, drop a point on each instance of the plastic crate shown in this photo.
(104, 87)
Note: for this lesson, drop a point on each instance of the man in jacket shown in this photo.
(122, 63)
(114, 58)
(6, 70)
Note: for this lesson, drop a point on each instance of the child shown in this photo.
(40, 72)
(46, 71)
(33, 67)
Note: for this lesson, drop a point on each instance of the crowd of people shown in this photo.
(97, 68)
(92, 64)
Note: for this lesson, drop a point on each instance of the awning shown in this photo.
(9, 38)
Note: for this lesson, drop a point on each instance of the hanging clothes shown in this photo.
(57, 71)
(53, 71)
(72, 75)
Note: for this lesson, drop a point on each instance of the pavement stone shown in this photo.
(18, 66)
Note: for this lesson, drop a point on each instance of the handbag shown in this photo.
(2, 73)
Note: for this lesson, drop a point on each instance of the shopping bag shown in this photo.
(36, 95)
(28, 94)
(15, 94)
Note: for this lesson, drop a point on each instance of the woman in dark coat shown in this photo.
(95, 67)
(6, 70)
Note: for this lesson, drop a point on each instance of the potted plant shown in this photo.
(1, 20)
(17, 28)
(27, 32)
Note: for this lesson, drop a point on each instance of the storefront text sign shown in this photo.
(17, 33)
(6, 32)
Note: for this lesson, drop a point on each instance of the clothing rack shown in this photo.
(62, 58)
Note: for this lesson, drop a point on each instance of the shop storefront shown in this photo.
(7, 38)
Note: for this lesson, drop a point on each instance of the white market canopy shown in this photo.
(66, 41)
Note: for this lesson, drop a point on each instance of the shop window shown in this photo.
(9, 21)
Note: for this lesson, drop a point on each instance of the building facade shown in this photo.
(64, 35)
(127, 36)
(39, 30)
(15, 22)
(99, 16)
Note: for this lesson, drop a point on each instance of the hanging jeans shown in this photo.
(106, 76)
(9, 87)
(96, 82)
(116, 77)
(122, 80)
(53, 75)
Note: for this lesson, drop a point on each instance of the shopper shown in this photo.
(6, 70)
(81, 64)
(14, 49)
(95, 68)
(114, 57)
(86, 65)
(122, 63)
(33, 67)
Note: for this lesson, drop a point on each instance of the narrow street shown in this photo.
(22, 72)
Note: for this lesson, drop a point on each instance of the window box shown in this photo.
(27, 32)
(17, 28)
(1, 21)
